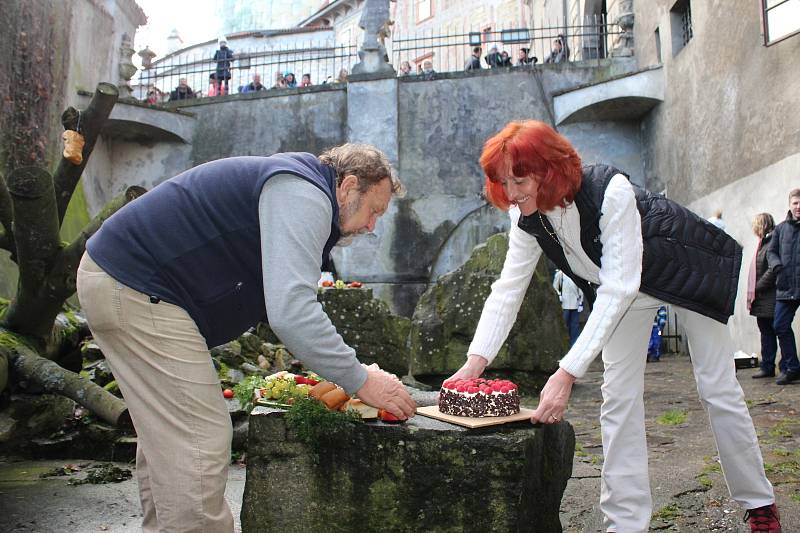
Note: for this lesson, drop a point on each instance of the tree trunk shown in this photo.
(32, 208)
(37, 240)
(28, 365)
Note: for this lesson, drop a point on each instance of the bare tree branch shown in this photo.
(35, 223)
(89, 123)
(63, 274)
(28, 365)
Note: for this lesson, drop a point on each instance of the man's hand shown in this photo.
(472, 369)
(384, 391)
(554, 398)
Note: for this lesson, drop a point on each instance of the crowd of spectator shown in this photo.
(224, 56)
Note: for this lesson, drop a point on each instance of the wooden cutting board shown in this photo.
(432, 411)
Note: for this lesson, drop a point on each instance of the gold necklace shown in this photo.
(553, 235)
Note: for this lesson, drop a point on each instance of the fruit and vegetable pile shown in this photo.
(284, 389)
(339, 284)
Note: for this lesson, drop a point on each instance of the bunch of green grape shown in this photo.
(283, 390)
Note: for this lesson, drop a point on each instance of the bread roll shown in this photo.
(319, 389)
(334, 399)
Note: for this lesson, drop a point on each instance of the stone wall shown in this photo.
(730, 106)
(727, 135)
(433, 132)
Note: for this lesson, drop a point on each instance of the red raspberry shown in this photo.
(496, 386)
(472, 390)
(447, 385)
(461, 388)
(504, 389)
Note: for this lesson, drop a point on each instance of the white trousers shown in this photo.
(625, 486)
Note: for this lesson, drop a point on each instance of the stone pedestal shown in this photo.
(423, 475)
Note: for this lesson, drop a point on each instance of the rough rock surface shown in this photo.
(423, 475)
(447, 315)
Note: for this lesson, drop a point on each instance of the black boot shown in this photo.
(788, 377)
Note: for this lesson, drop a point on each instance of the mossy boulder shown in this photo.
(368, 326)
(365, 323)
(423, 475)
(447, 314)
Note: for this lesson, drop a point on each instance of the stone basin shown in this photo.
(423, 475)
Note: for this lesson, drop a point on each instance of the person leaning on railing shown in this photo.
(560, 52)
(524, 59)
(182, 91)
(474, 62)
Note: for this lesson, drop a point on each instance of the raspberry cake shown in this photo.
(476, 398)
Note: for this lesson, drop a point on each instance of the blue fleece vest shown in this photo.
(194, 240)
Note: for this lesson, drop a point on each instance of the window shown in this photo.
(424, 10)
(781, 19)
(515, 36)
(680, 18)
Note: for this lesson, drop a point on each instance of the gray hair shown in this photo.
(364, 161)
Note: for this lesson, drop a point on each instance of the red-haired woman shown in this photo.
(629, 251)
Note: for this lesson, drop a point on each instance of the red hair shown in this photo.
(531, 148)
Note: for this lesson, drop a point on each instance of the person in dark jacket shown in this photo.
(181, 92)
(474, 61)
(784, 259)
(525, 59)
(761, 295)
(223, 57)
(254, 86)
(493, 58)
(560, 51)
(630, 252)
(193, 264)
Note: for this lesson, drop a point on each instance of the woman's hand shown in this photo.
(554, 398)
(472, 369)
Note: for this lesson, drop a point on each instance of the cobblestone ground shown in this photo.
(689, 492)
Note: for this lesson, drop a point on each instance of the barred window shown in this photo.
(681, 25)
(781, 19)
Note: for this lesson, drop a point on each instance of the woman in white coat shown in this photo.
(629, 251)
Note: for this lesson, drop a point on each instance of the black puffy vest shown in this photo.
(687, 261)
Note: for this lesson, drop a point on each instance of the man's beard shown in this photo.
(345, 214)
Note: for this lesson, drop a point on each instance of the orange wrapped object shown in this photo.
(334, 399)
(73, 146)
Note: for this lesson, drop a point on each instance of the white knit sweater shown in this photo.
(618, 278)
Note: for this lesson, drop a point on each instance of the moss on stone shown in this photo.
(447, 314)
(3, 372)
(407, 478)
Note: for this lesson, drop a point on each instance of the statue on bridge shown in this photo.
(375, 21)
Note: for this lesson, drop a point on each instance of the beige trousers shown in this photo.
(165, 373)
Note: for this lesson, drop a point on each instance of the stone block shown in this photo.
(423, 475)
